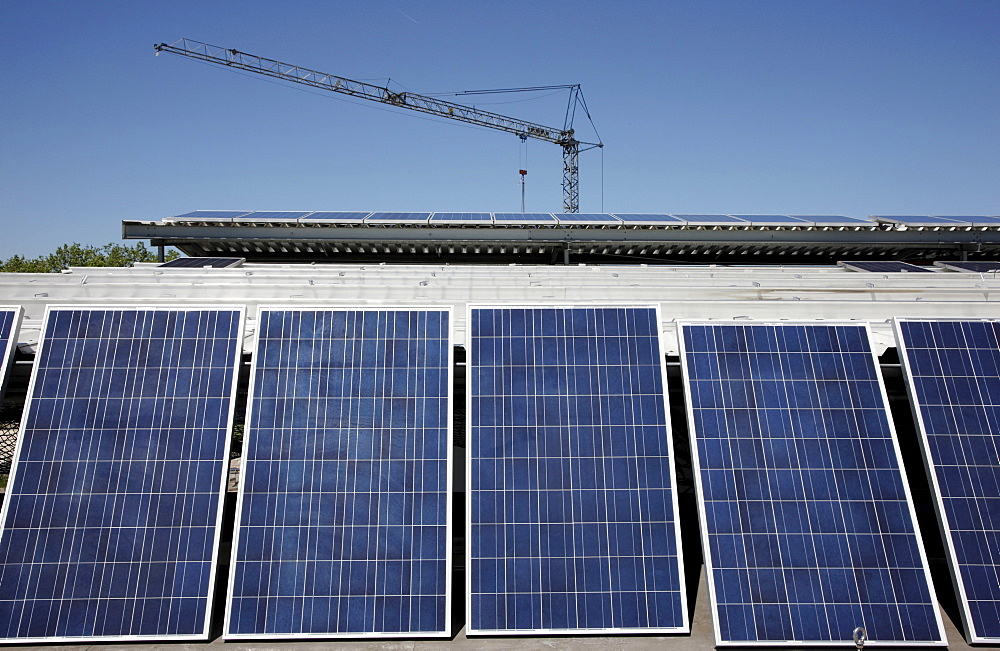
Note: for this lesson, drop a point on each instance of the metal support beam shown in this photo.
(571, 176)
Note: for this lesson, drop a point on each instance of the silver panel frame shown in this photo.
(449, 530)
(925, 451)
(213, 573)
(685, 613)
(703, 520)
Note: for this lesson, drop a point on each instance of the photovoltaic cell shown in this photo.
(597, 219)
(883, 266)
(953, 374)
(200, 263)
(807, 520)
(523, 217)
(344, 511)
(10, 319)
(112, 513)
(572, 517)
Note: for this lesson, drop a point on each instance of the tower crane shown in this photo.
(564, 137)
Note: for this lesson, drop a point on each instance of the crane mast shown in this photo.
(563, 137)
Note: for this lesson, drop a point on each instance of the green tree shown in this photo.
(78, 255)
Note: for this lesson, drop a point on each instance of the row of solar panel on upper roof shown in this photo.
(607, 219)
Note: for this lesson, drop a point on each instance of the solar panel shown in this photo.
(634, 218)
(953, 375)
(773, 220)
(10, 320)
(112, 513)
(883, 266)
(572, 511)
(344, 509)
(697, 220)
(808, 525)
(975, 220)
(198, 263)
(584, 219)
(461, 218)
(272, 216)
(399, 217)
(524, 217)
(921, 220)
(208, 215)
(834, 220)
(971, 267)
(335, 217)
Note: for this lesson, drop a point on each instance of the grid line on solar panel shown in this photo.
(807, 521)
(112, 513)
(572, 510)
(10, 321)
(344, 508)
(399, 217)
(952, 369)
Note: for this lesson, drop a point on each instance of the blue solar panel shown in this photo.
(209, 215)
(977, 267)
(462, 217)
(111, 519)
(10, 319)
(922, 220)
(345, 504)
(399, 217)
(883, 266)
(335, 217)
(808, 524)
(524, 217)
(633, 218)
(572, 515)
(272, 216)
(697, 220)
(953, 374)
(834, 220)
(779, 220)
(587, 218)
(200, 263)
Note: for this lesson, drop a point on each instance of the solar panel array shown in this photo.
(111, 517)
(551, 219)
(343, 519)
(10, 319)
(808, 524)
(883, 266)
(941, 221)
(953, 373)
(201, 263)
(572, 516)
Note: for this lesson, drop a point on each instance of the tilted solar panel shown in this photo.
(572, 510)
(773, 220)
(398, 217)
(979, 267)
(461, 218)
(111, 518)
(807, 519)
(637, 218)
(208, 215)
(597, 219)
(335, 217)
(883, 266)
(922, 220)
(953, 375)
(10, 320)
(200, 263)
(344, 509)
(523, 217)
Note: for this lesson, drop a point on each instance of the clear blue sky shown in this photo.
(802, 107)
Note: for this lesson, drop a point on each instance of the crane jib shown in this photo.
(233, 58)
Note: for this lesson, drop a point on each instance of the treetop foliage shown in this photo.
(78, 255)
